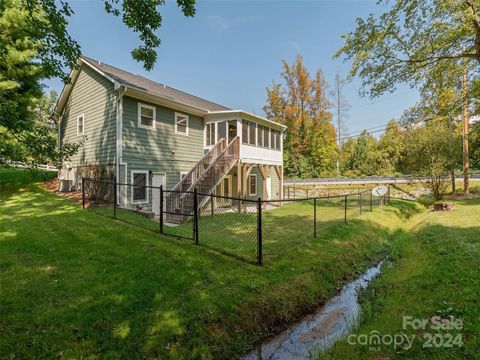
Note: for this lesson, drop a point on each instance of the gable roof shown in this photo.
(142, 83)
(152, 89)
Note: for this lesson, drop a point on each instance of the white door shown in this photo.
(269, 187)
(157, 180)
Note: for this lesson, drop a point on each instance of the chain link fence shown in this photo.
(251, 230)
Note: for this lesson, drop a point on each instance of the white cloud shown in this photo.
(220, 23)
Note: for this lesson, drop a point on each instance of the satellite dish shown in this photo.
(380, 191)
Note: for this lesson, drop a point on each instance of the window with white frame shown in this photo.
(210, 134)
(260, 131)
(146, 116)
(266, 137)
(140, 189)
(80, 124)
(252, 127)
(277, 139)
(244, 131)
(181, 124)
(272, 139)
(252, 185)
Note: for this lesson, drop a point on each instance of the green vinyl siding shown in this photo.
(160, 149)
(93, 96)
(275, 183)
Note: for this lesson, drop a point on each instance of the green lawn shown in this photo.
(79, 285)
(436, 272)
(283, 227)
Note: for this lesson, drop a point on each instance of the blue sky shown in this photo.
(231, 50)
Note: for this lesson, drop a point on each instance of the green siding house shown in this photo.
(145, 133)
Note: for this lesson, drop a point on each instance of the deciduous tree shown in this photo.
(301, 103)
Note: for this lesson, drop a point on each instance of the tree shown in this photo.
(340, 105)
(301, 103)
(427, 153)
(412, 40)
(24, 112)
(362, 156)
(475, 145)
(390, 149)
(35, 45)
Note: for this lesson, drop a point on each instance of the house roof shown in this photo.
(154, 90)
(142, 83)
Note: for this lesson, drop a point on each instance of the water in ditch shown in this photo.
(320, 330)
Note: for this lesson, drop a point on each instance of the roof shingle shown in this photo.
(142, 83)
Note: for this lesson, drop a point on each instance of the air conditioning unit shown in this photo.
(65, 185)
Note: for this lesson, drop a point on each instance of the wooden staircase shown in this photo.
(204, 177)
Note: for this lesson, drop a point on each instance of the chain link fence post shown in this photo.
(195, 216)
(83, 193)
(315, 217)
(360, 198)
(345, 208)
(161, 209)
(114, 197)
(259, 232)
(371, 201)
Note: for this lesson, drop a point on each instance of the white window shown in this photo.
(146, 116)
(252, 185)
(266, 137)
(277, 139)
(140, 187)
(272, 139)
(181, 124)
(80, 124)
(210, 134)
(244, 131)
(260, 130)
(252, 130)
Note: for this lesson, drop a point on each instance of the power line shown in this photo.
(379, 130)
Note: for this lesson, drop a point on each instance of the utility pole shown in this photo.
(466, 179)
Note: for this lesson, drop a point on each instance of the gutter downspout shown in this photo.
(119, 136)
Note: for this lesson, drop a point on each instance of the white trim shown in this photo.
(247, 116)
(256, 184)
(183, 173)
(139, 114)
(119, 139)
(146, 172)
(83, 124)
(187, 118)
(125, 181)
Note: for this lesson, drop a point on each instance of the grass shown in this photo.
(78, 285)
(284, 227)
(436, 272)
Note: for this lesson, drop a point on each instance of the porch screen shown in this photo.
(221, 130)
